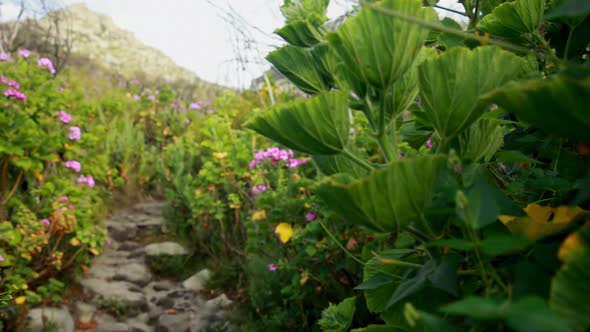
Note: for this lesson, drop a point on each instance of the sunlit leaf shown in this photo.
(466, 75)
(377, 48)
(481, 140)
(338, 318)
(300, 33)
(334, 164)
(388, 199)
(299, 67)
(284, 231)
(318, 125)
(512, 19)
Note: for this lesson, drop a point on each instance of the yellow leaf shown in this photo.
(24, 286)
(284, 231)
(94, 251)
(74, 242)
(38, 176)
(542, 221)
(20, 300)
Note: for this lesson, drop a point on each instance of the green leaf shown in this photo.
(375, 282)
(503, 244)
(312, 10)
(533, 314)
(426, 322)
(377, 48)
(334, 164)
(388, 199)
(466, 75)
(411, 286)
(447, 39)
(445, 275)
(457, 244)
(338, 318)
(318, 125)
(300, 33)
(379, 328)
(514, 156)
(299, 67)
(481, 140)
(478, 206)
(558, 105)
(569, 8)
(512, 19)
(477, 307)
(570, 289)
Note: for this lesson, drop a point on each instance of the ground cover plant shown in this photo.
(481, 194)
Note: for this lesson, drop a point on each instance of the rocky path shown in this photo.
(121, 292)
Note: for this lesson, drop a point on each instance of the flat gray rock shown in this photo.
(135, 273)
(219, 302)
(121, 291)
(85, 312)
(59, 318)
(198, 281)
(174, 323)
(165, 248)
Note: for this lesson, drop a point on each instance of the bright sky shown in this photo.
(198, 35)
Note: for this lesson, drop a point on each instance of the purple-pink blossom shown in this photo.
(258, 189)
(187, 121)
(274, 155)
(87, 180)
(24, 53)
(45, 62)
(292, 163)
(4, 57)
(152, 98)
(428, 144)
(45, 222)
(311, 216)
(64, 117)
(15, 94)
(1, 258)
(14, 84)
(74, 133)
(73, 165)
(195, 106)
(136, 97)
(64, 199)
(272, 267)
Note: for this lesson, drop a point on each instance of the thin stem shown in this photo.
(547, 48)
(357, 160)
(568, 44)
(451, 10)
(442, 28)
(476, 13)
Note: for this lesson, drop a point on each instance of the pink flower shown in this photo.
(64, 199)
(135, 82)
(152, 98)
(195, 106)
(14, 84)
(210, 111)
(187, 121)
(311, 216)
(1, 258)
(45, 222)
(272, 267)
(292, 163)
(4, 57)
(87, 180)
(74, 133)
(24, 53)
(4, 80)
(72, 207)
(428, 144)
(73, 165)
(252, 164)
(136, 97)
(15, 94)
(258, 189)
(45, 62)
(64, 117)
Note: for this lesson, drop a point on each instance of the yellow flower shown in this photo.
(569, 246)
(220, 155)
(259, 215)
(20, 300)
(542, 221)
(284, 232)
(74, 242)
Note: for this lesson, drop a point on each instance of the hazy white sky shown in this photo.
(198, 34)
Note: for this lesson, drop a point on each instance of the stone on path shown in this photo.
(85, 312)
(135, 273)
(122, 291)
(60, 319)
(165, 248)
(174, 323)
(219, 302)
(199, 281)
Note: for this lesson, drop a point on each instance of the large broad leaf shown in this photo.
(481, 140)
(388, 199)
(318, 125)
(334, 164)
(558, 105)
(338, 318)
(570, 289)
(512, 19)
(569, 9)
(313, 11)
(300, 33)
(378, 48)
(451, 85)
(299, 67)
